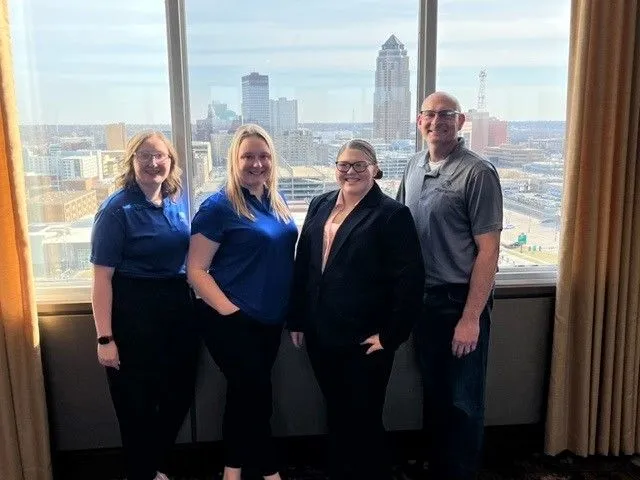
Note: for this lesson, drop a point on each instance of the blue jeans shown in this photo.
(454, 388)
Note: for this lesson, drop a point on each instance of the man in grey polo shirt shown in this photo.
(456, 201)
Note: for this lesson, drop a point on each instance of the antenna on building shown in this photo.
(482, 90)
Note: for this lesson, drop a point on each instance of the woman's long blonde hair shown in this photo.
(172, 186)
(234, 188)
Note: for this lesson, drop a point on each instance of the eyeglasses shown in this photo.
(359, 167)
(250, 157)
(446, 114)
(148, 157)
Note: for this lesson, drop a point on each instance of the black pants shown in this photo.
(354, 386)
(454, 388)
(245, 350)
(154, 329)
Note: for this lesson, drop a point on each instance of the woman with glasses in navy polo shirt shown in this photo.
(142, 304)
(240, 263)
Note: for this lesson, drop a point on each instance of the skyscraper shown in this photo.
(255, 100)
(392, 97)
(284, 115)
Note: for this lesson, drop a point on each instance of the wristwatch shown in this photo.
(105, 340)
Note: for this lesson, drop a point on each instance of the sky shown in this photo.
(103, 61)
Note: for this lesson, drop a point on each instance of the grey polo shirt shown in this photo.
(460, 199)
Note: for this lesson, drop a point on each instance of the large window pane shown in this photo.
(507, 63)
(315, 74)
(88, 75)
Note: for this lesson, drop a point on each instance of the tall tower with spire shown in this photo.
(392, 96)
(482, 90)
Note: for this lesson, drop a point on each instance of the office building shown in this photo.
(392, 96)
(255, 100)
(61, 206)
(284, 115)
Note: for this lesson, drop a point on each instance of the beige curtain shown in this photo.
(24, 435)
(593, 400)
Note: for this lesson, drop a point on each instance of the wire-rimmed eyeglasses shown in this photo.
(148, 157)
(446, 114)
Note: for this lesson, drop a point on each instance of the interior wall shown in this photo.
(81, 415)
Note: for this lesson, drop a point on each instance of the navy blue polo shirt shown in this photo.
(253, 265)
(138, 238)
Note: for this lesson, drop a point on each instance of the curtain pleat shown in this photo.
(593, 395)
(24, 434)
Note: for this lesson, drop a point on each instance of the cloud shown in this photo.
(518, 28)
(504, 54)
(82, 57)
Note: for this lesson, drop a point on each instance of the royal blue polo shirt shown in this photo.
(138, 238)
(253, 265)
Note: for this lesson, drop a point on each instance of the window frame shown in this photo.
(49, 296)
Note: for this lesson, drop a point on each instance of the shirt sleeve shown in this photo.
(484, 202)
(107, 238)
(211, 219)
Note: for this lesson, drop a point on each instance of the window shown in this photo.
(507, 63)
(314, 74)
(88, 75)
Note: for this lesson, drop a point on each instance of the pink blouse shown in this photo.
(330, 228)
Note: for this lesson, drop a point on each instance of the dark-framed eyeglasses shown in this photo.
(446, 114)
(358, 167)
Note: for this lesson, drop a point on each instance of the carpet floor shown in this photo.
(536, 467)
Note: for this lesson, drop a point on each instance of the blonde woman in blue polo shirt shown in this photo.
(142, 304)
(240, 263)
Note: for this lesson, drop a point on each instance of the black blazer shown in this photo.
(373, 280)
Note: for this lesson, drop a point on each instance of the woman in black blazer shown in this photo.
(358, 284)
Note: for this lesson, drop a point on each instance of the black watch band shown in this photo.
(105, 340)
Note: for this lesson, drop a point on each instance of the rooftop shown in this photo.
(392, 43)
(61, 197)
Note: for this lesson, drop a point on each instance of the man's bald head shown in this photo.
(442, 97)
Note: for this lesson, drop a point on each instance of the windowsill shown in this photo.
(63, 299)
(510, 283)
(526, 282)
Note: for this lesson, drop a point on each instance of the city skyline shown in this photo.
(69, 177)
(314, 53)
